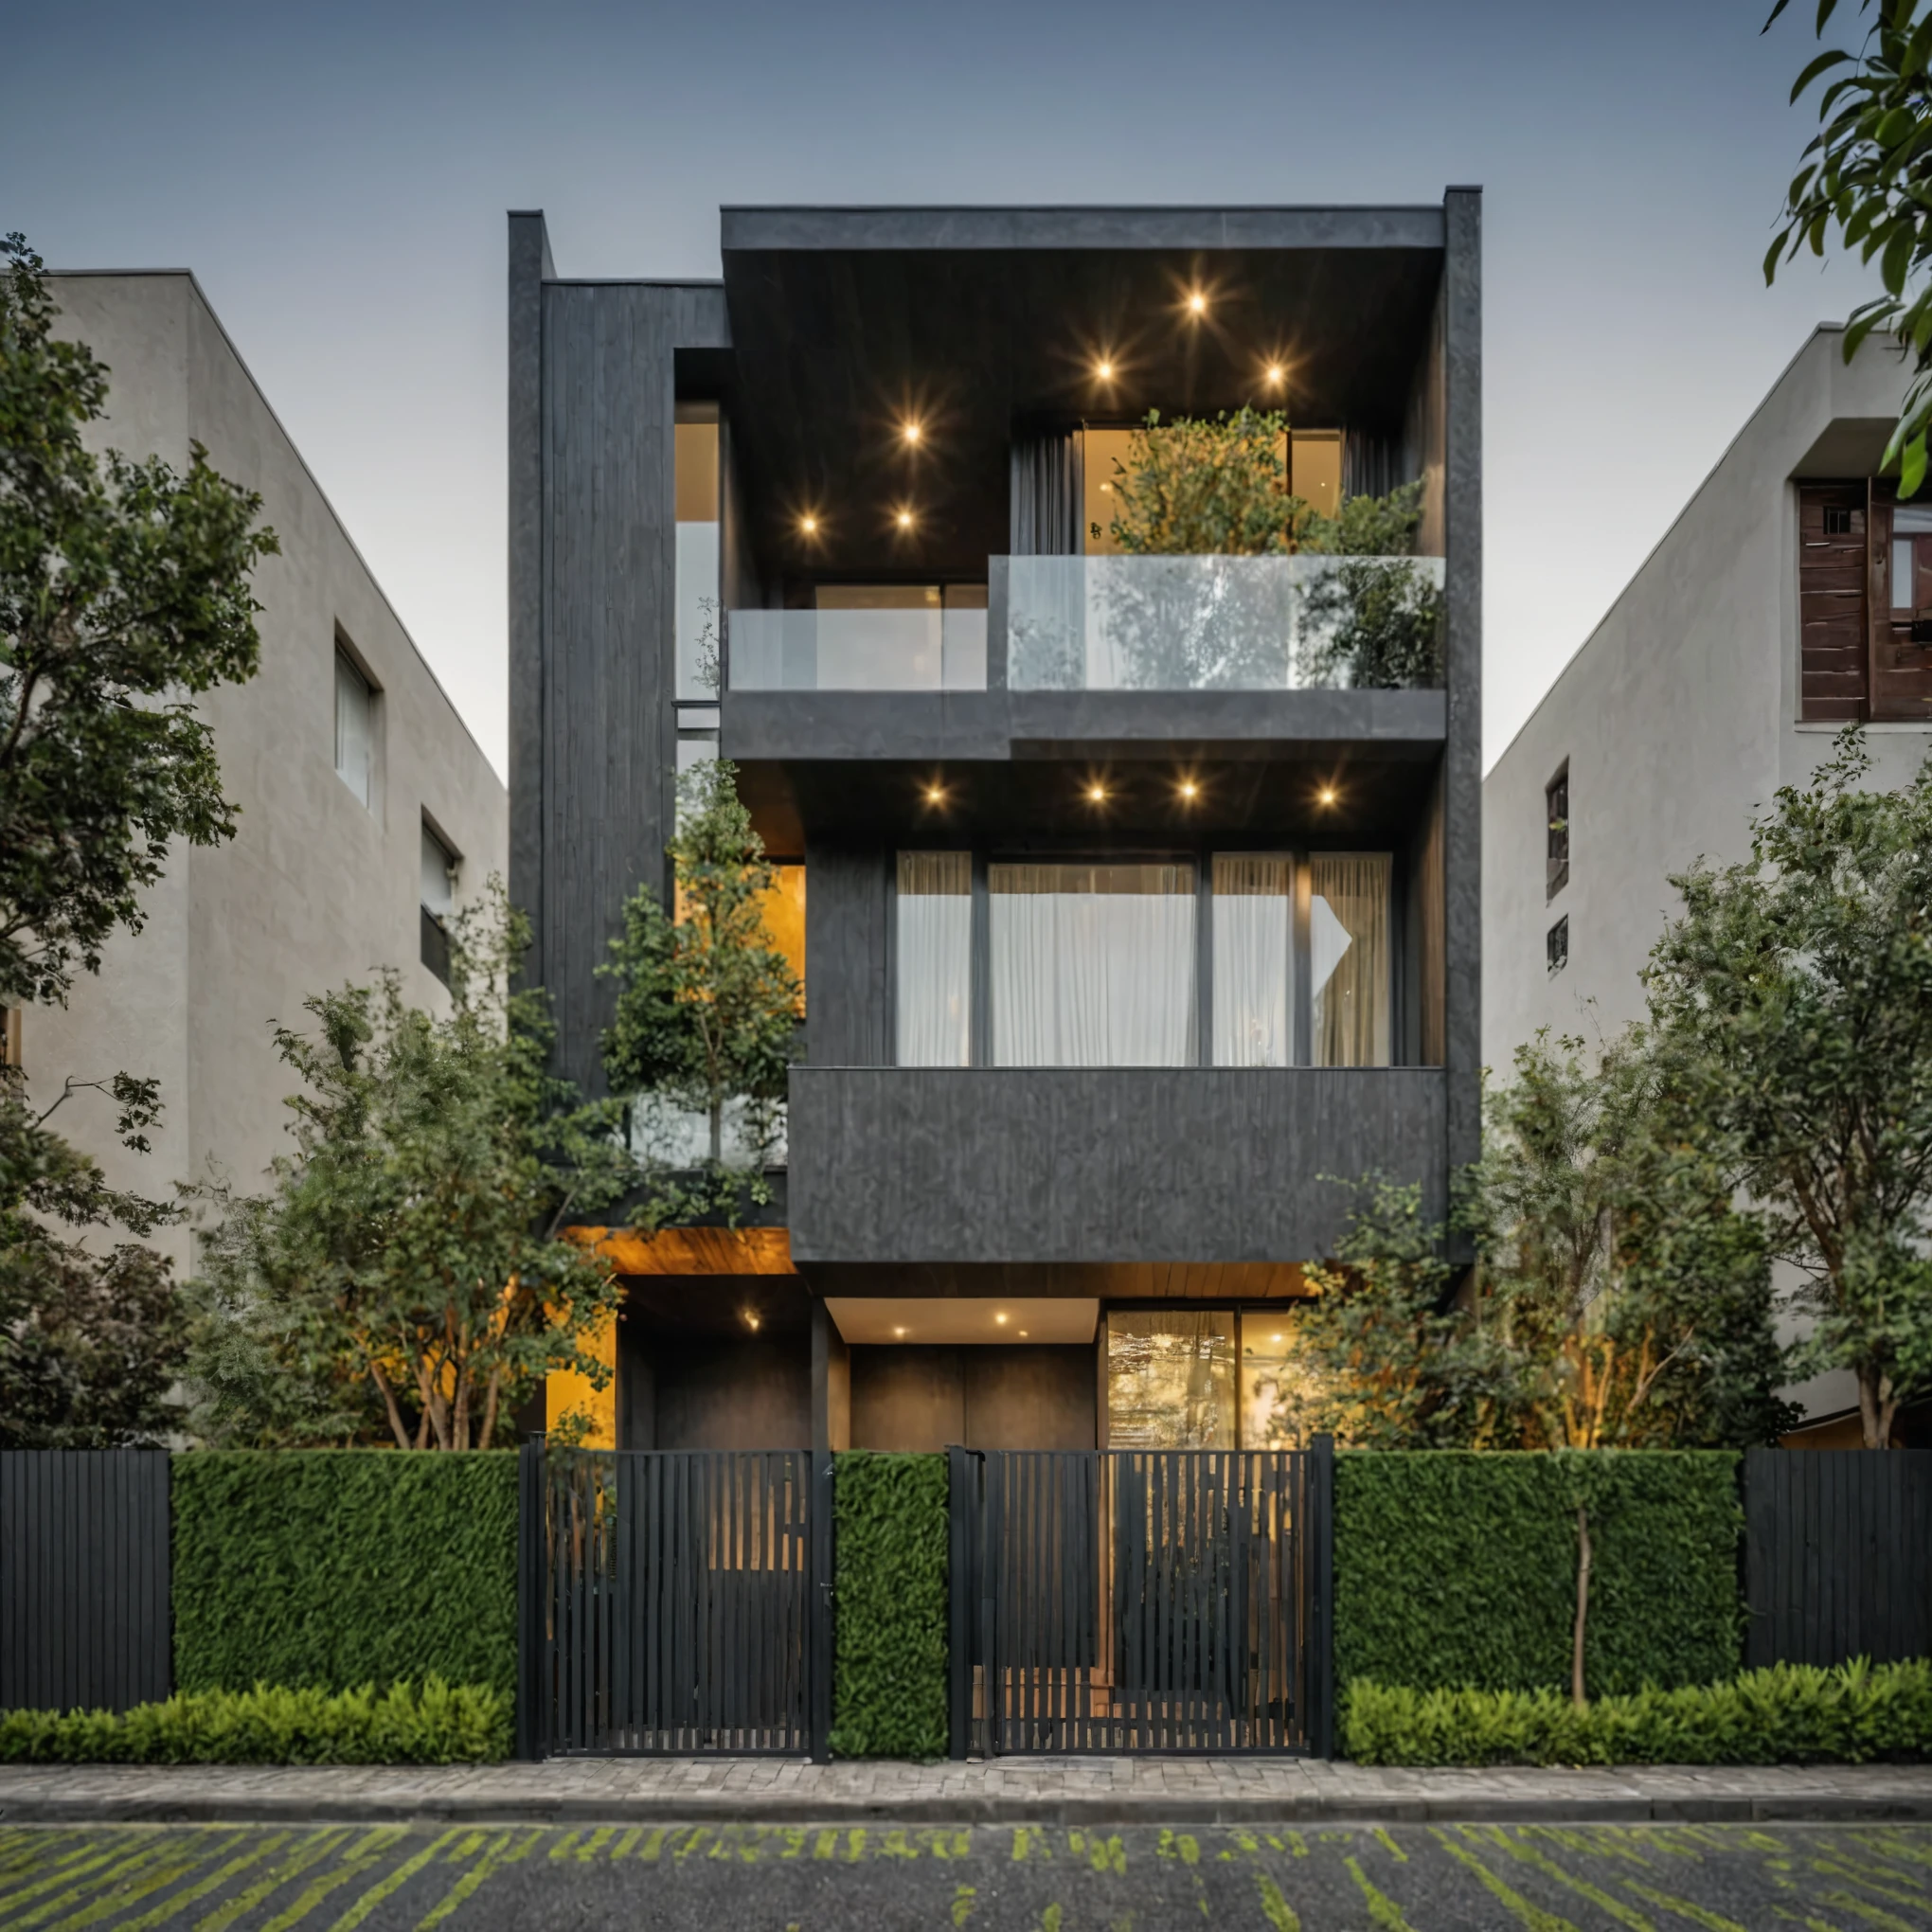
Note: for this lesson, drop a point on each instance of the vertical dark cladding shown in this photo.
(1462, 788)
(529, 269)
(593, 622)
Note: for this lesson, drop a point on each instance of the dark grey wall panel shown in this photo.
(1118, 1164)
(84, 1578)
(1042, 1398)
(910, 1400)
(846, 909)
(608, 564)
(732, 1394)
(1462, 773)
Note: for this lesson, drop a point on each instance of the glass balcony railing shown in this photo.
(1188, 624)
(929, 650)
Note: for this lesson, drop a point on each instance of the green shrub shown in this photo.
(438, 1724)
(1792, 1713)
(327, 1569)
(889, 1697)
(1456, 1568)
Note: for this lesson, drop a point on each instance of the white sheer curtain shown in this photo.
(1092, 965)
(1253, 960)
(933, 1006)
(1348, 949)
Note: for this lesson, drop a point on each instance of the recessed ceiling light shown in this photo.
(1023, 1334)
(999, 1318)
(901, 1332)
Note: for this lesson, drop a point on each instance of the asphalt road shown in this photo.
(1720, 1878)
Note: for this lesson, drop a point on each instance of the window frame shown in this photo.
(1556, 833)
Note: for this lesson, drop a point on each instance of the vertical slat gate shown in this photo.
(1138, 1599)
(84, 1578)
(1837, 1555)
(672, 1602)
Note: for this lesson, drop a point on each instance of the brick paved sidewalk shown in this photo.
(1065, 1791)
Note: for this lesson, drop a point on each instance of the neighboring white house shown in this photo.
(364, 802)
(1779, 604)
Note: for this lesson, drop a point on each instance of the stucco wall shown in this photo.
(1678, 717)
(316, 890)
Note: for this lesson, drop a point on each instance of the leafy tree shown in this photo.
(90, 1342)
(1795, 992)
(707, 1008)
(124, 591)
(1867, 175)
(404, 1273)
(122, 585)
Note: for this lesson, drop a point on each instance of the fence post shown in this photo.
(962, 1591)
(1322, 1611)
(534, 1678)
(821, 1623)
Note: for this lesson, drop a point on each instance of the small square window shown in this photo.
(1837, 520)
(1556, 945)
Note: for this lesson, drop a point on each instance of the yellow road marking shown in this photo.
(1382, 1908)
(363, 1858)
(387, 1887)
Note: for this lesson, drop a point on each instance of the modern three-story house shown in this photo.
(1126, 940)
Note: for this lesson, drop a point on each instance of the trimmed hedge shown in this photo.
(441, 1724)
(889, 1697)
(1792, 1713)
(330, 1569)
(1458, 1569)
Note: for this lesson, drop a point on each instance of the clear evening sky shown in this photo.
(336, 175)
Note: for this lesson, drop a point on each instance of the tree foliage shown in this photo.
(1795, 990)
(403, 1275)
(708, 1007)
(1618, 1301)
(124, 589)
(1867, 175)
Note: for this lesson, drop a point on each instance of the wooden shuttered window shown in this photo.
(1831, 571)
(1899, 675)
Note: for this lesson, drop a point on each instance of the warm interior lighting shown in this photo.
(1276, 373)
(1326, 795)
(911, 431)
(903, 519)
(1097, 795)
(1189, 790)
(935, 795)
(1197, 303)
(901, 1332)
(808, 525)
(1104, 370)
(1001, 1318)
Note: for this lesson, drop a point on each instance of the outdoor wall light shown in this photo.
(903, 519)
(1097, 795)
(936, 795)
(911, 431)
(808, 525)
(1189, 790)
(752, 1319)
(1197, 303)
(1104, 370)
(1275, 375)
(1327, 795)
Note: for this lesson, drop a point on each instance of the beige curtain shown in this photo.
(1253, 974)
(1171, 1376)
(934, 981)
(1348, 946)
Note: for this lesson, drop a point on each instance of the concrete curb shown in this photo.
(1822, 1806)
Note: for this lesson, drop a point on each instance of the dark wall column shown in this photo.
(1462, 771)
(529, 269)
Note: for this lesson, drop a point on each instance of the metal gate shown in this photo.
(1141, 1599)
(669, 1603)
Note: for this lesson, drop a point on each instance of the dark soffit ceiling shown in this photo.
(836, 346)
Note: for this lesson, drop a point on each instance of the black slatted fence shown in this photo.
(84, 1605)
(1837, 1555)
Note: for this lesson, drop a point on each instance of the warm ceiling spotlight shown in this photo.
(1104, 370)
(1189, 790)
(1001, 1318)
(898, 1332)
(808, 525)
(751, 1319)
(1023, 1334)
(1097, 795)
(1326, 795)
(936, 795)
(1275, 374)
(903, 519)
(911, 431)
(1197, 303)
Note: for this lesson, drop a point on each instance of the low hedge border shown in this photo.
(1789, 1714)
(1458, 1569)
(329, 1569)
(434, 1724)
(889, 1697)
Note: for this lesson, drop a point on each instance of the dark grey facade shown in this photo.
(883, 385)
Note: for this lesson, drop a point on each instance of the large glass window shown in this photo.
(1275, 1382)
(1171, 1379)
(1347, 957)
(933, 1003)
(1253, 960)
(1092, 965)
